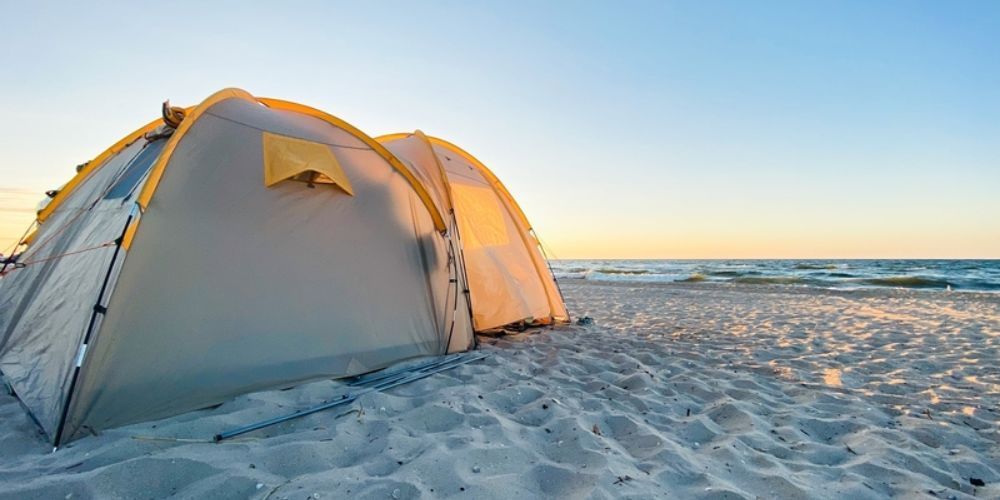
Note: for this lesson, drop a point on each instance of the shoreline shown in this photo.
(676, 390)
(781, 288)
(934, 275)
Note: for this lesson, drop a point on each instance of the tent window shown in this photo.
(480, 217)
(289, 158)
(136, 170)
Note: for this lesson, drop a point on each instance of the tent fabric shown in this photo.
(420, 189)
(287, 157)
(183, 271)
(507, 274)
(91, 166)
(269, 318)
(45, 308)
(415, 149)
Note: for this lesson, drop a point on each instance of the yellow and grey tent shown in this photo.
(246, 244)
(508, 276)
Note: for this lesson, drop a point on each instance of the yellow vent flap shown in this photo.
(290, 158)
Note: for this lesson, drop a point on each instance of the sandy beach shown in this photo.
(675, 390)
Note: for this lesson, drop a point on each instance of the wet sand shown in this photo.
(700, 390)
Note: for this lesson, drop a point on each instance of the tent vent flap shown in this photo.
(290, 158)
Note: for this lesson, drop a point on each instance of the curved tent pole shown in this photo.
(156, 172)
(494, 180)
(94, 165)
(193, 114)
(425, 197)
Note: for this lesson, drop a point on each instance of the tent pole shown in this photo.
(460, 267)
(453, 258)
(98, 309)
(351, 397)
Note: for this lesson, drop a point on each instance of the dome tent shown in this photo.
(507, 272)
(239, 245)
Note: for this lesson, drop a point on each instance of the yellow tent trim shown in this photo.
(543, 273)
(487, 172)
(193, 114)
(30, 238)
(392, 137)
(130, 234)
(494, 181)
(94, 165)
(383, 139)
(286, 157)
(156, 172)
(425, 197)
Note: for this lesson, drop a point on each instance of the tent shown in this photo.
(239, 245)
(508, 275)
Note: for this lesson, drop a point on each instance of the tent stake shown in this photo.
(351, 397)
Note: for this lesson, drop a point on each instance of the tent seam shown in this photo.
(331, 144)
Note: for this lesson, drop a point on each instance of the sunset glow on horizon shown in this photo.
(685, 131)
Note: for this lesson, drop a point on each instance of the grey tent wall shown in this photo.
(45, 308)
(231, 287)
(96, 315)
(416, 151)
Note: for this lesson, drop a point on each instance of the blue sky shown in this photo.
(627, 129)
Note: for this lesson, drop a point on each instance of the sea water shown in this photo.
(959, 275)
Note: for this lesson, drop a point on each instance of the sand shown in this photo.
(703, 391)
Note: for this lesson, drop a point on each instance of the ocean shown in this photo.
(943, 275)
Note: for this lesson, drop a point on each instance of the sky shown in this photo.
(717, 129)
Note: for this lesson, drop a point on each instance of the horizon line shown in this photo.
(777, 258)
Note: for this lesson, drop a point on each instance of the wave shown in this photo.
(769, 280)
(726, 273)
(908, 282)
(939, 276)
(694, 278)
(816, 267)
(623, 271)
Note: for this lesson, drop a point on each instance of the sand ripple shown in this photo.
(675, 391)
